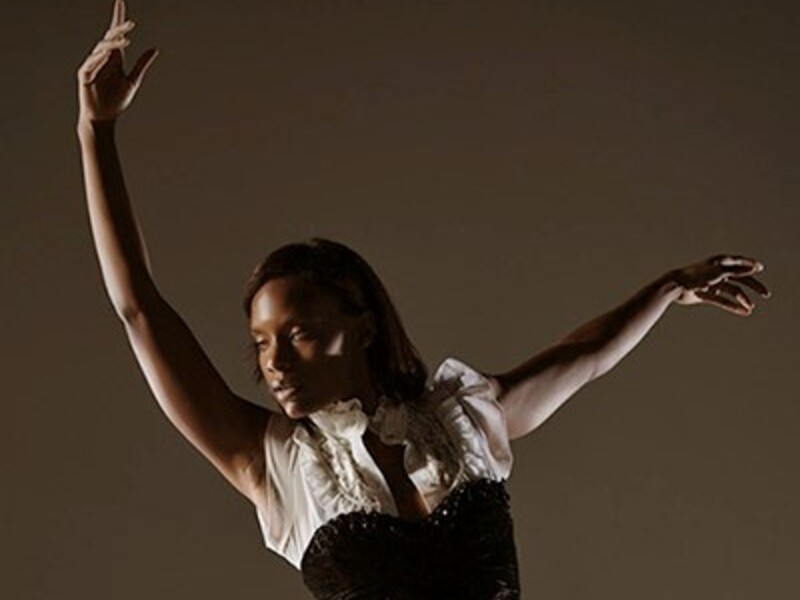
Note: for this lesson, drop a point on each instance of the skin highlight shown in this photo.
(305, 340)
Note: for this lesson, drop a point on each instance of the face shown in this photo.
(309, 351)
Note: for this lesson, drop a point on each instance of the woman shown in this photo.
(370, 481)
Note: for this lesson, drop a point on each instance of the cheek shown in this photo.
(334, 358)
(336, 345)
(317, 352)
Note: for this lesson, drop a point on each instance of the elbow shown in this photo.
(133, 302)
(127, 313)
(586, 359)
(127, 306)
(600, 360)
(132, 309)
(585, 356)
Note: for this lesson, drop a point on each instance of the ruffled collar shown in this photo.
(347, 419)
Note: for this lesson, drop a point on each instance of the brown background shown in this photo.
(511, 169)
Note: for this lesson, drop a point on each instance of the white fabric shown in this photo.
(319, 470)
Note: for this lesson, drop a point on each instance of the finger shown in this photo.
(739, 264)
(754, 284)
(142, 65)
(90, 61)
(89, 73)
(104, 45)
(715, 298)
(117, 14)
(737, 294)
(119, 30)
(729, 260)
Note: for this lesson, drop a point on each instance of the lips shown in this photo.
(284, 390)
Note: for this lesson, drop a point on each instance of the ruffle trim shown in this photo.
(331, 474)
(470, 410)
(444, 438)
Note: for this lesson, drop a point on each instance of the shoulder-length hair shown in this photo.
(394, 362)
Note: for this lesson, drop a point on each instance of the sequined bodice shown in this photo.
(464, 549)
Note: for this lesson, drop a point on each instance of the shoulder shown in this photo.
(466, 401)
(455, 377)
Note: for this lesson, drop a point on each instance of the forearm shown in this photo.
(533, 391)
(120, 247)
(611, 336)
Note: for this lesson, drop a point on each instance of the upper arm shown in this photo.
(227, 429)
(531, 392)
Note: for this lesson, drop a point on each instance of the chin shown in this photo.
(294, 410)
(298, 410)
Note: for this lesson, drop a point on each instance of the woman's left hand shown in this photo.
(714, 281)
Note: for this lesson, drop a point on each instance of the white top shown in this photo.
(317, 472)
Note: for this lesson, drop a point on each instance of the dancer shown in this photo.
(370, 480)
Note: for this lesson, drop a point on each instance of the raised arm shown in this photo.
(225, 428)
(533, 391)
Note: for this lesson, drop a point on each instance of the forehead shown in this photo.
(291, 298)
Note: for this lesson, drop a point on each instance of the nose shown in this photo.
(279, 357)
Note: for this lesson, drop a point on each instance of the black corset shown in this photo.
(463, 550)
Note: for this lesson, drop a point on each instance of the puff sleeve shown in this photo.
(475, 419)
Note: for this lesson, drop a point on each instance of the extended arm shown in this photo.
(225, 428)
(533, 391)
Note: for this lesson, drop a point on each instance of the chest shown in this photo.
(390, 461)
(349, 465)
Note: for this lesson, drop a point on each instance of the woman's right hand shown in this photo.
(104, 90)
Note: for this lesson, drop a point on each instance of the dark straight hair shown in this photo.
(394, 362)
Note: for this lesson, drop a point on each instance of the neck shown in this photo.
(365, 390)
(369, 399)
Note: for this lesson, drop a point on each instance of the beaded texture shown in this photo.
(464, 549)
